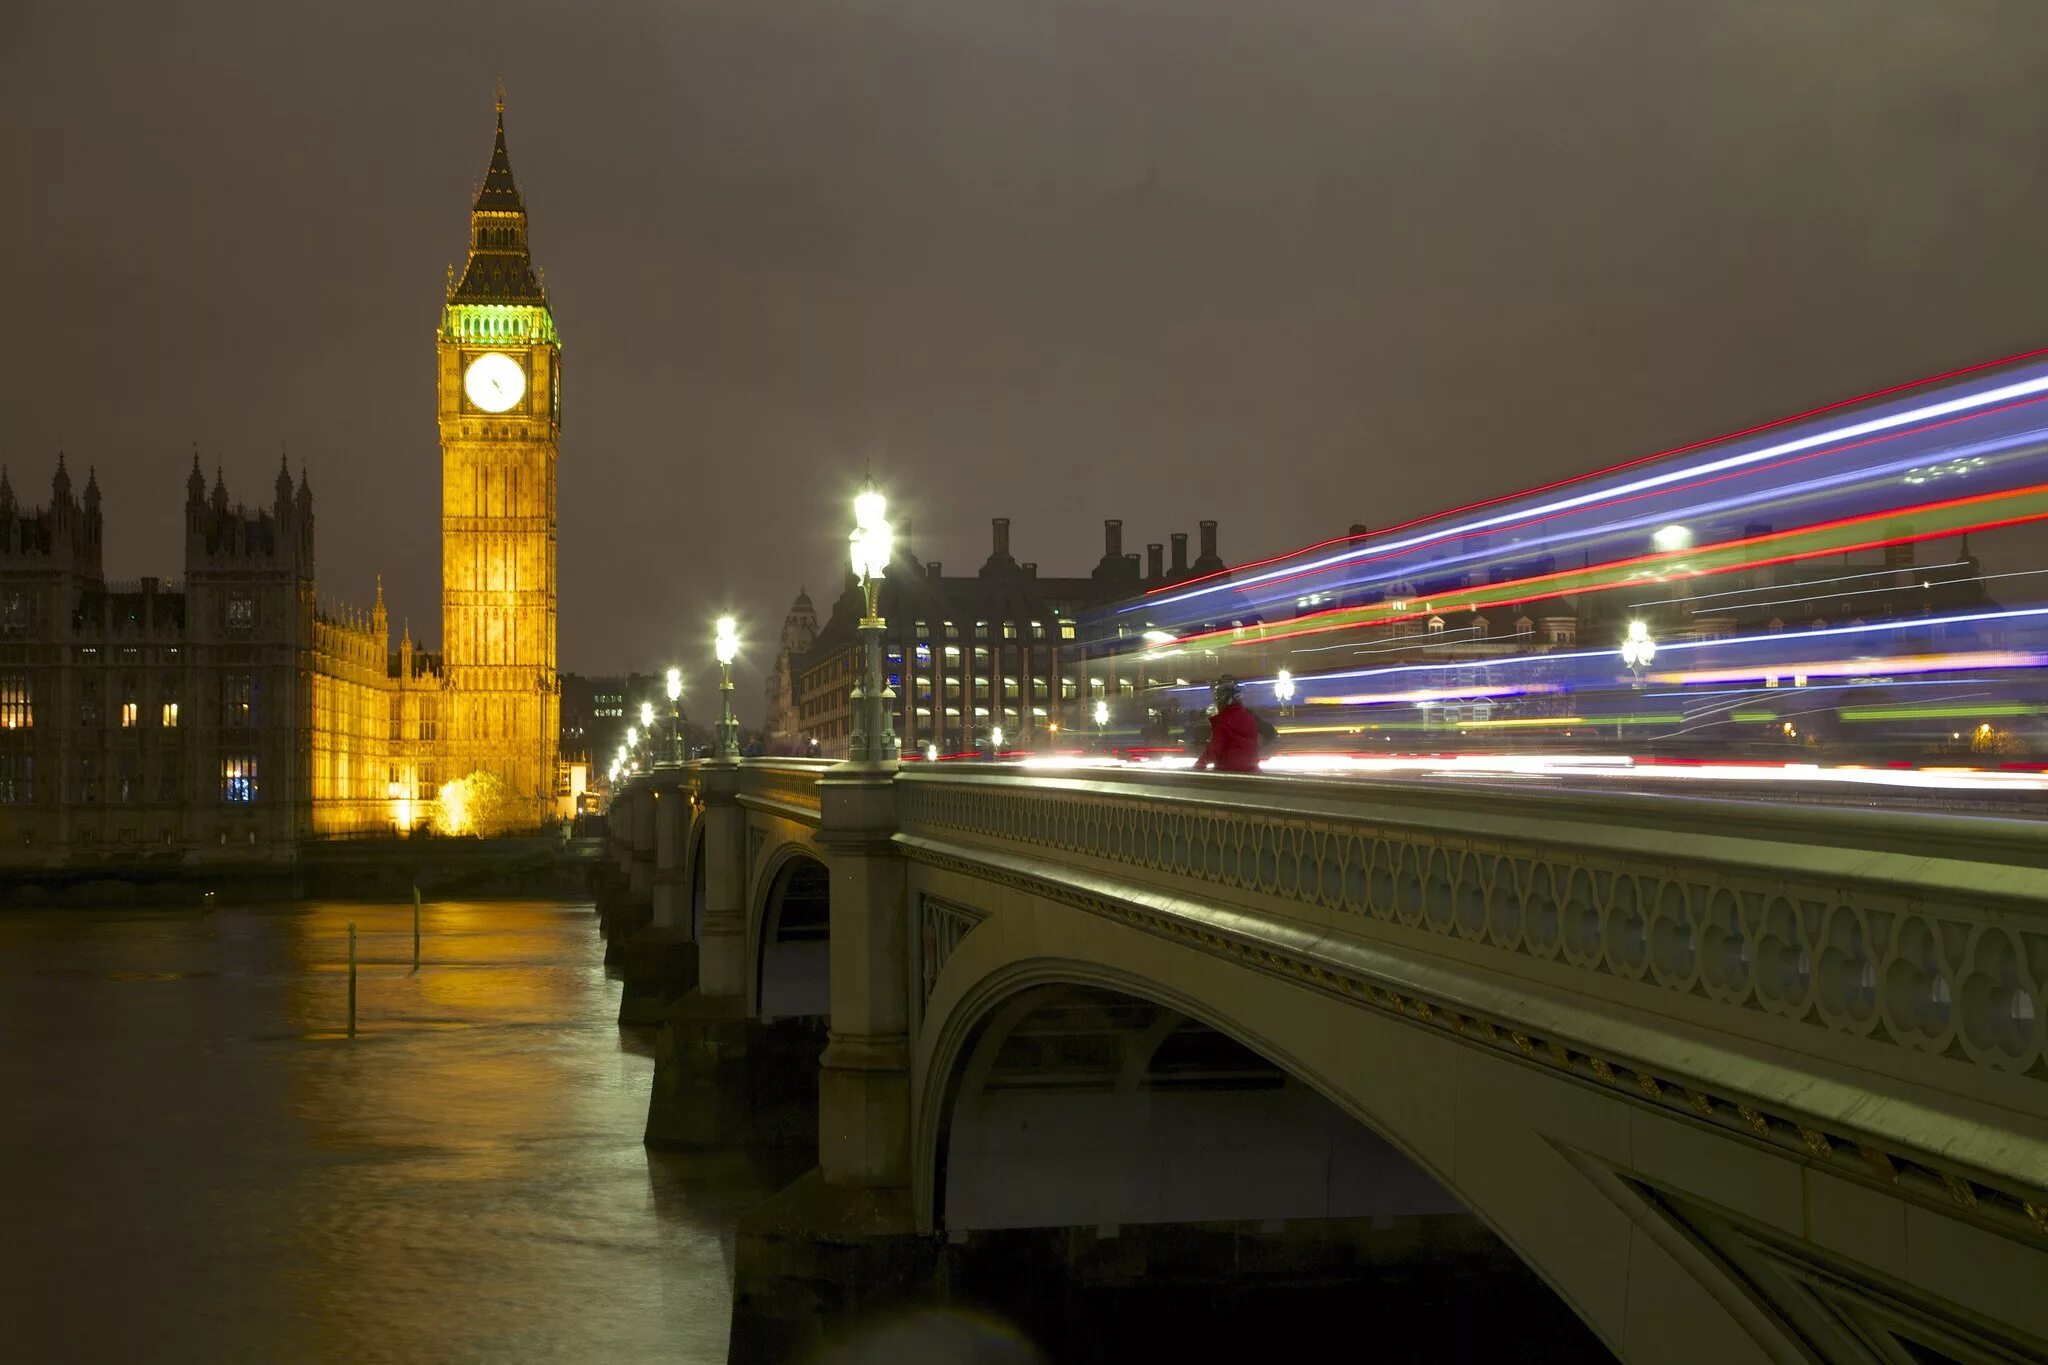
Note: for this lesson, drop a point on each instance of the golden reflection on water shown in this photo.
(189, 1135)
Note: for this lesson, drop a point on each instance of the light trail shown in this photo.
(1946, 518)
(1860, 668)
(1742, 434)
(2026, 388)
(1779, 638)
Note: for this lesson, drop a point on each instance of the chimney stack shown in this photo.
(1208, 540)
(1112, 539)
(1180, 553)
(1155, 561)
(1002, 536)
(931, 570)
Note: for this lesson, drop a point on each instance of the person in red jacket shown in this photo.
(1233, 733)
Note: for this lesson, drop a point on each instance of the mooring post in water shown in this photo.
(351, 978)
(415, 928)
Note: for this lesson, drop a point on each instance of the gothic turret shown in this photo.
(282, 504)
(60, 488)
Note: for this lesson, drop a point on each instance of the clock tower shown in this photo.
(499, 391)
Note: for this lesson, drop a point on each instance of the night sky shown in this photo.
(1288, 264)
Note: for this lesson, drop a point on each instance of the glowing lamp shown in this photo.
(1102, 713)
(931, 753)
(647, 715)
(996, 736)
(632, 736)
(727, 645)
(1637, 648)
(873, 538)
(675, 683)
(1283, 685)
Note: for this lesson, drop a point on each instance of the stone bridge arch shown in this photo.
(789, 935)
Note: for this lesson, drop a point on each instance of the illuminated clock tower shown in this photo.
(501, 414)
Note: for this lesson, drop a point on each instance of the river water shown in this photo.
(196, 1162)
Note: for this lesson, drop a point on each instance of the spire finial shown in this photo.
(501, 99)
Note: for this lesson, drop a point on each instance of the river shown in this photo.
(197, 1163)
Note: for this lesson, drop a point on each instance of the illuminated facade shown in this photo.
(235, 713)
(499, 392)
(226, 715)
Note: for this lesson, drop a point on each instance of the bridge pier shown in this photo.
(635, 909)
(658, 962)
(722, 1077)
(864, 1078)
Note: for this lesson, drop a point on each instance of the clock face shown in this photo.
(494, 382)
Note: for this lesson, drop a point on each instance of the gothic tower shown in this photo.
(500, 410)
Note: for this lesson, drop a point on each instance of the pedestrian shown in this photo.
(1233, 733)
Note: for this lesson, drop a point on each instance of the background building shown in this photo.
(966, 656)
(782, 723)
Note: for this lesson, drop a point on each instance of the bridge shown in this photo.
(1738, 1082)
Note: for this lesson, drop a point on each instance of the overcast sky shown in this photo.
(1288, 264)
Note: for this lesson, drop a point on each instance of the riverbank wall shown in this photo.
(358, 869)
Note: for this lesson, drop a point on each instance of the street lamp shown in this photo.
(727, 647)
(647, 718)
(1101, 719)
(874, 737)
(675, 715)
(996, 740)
(1638, 649)
(1283, 691)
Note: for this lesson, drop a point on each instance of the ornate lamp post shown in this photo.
(1637, 650)
(1283, 691)
(874, 735)
(675, 715)
(1101, 719)
(727, 647)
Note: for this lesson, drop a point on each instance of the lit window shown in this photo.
(129, 711)
(1038, 630)
(238, 778)
(16, 711)
(241, 614)
(1009, 630)
(1066, 630)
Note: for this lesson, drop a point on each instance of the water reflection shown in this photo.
(196, 1165)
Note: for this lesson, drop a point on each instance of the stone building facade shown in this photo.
(226, 714)
(968, 656)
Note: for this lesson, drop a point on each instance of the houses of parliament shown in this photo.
(234, 712)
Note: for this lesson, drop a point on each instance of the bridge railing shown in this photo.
(1920, 940)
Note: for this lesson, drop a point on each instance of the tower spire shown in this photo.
(500, 266)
